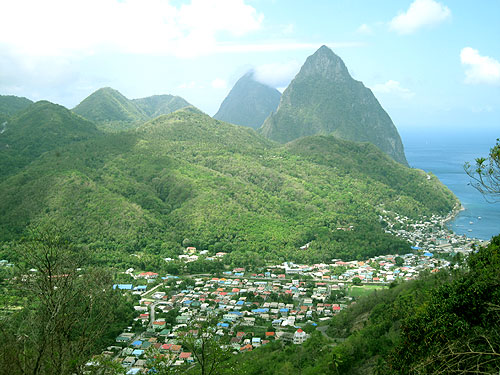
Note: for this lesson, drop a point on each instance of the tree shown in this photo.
(485, 173)
(204, 345)
(356, 281)
(63, 311)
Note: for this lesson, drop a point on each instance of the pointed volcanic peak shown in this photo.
(249, 102)
(109, 105)
(157, 105)
(324, 99)
(41, 127)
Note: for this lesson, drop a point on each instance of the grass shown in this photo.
(359, 291)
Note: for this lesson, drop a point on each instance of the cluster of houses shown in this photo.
(252, 309)
(248, 312)
(430, 234)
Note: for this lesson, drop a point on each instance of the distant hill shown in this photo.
(157, 105)
(324, 99)
(187, 178)
(41, 127)
(112, 111)
(10, 104)
(107, 105)
(248, 103)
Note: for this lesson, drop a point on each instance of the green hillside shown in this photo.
(324, 99)
(108, 106)
(10, 104)
(41, 127)
(111, 111)
(248, 103)
(157, 105)
(186, 178)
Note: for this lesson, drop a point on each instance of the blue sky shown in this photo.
(431, 64)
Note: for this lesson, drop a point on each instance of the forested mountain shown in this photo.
(112, 111)
(324, 99)
(186, 178)
(106, 105)
(248, 103)
(41, 127)
(157, 105)
(10, 104)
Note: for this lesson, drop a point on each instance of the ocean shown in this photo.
(444, 154)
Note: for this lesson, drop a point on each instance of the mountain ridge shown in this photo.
(186, 176)
(112, 111)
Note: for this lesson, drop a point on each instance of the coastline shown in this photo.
(454, 212)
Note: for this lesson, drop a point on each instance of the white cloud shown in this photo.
(421, 13)
(365, 29)
(393, 88)
(219, 83)
(479, 69)
(63, 27)
(278, 46)
(277, 74)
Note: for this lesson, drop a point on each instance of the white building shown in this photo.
(299, 336)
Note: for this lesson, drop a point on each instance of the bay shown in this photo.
(444, 153)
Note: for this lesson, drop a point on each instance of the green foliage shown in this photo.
(248, 103)
(41, 127)
(312, 357)
(112, 111)
(65, 311)
(157, 105)
(222, 187)
(324, 99)
(457, 330)
(485, 174)
(10, 105)
(106, 105)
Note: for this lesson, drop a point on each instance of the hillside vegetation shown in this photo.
(112, 111)
(10, 104)
(186, 178)
(41, 127)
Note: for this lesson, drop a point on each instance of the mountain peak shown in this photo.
(324, 99)
(326, 63)
(249, 102)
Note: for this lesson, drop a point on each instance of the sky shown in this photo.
(431, 64)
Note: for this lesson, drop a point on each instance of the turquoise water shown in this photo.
(444, 154)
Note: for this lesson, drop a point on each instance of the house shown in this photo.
(256, 342)
(123, 286)
(299, 336)
(138, 352)
(133, 371)
(124, 337)
(246, 348)
(148, 275)
(159, 324)
(185, 355)
(175, 349)
(128, 361)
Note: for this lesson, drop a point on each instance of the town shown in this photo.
(284, 302)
